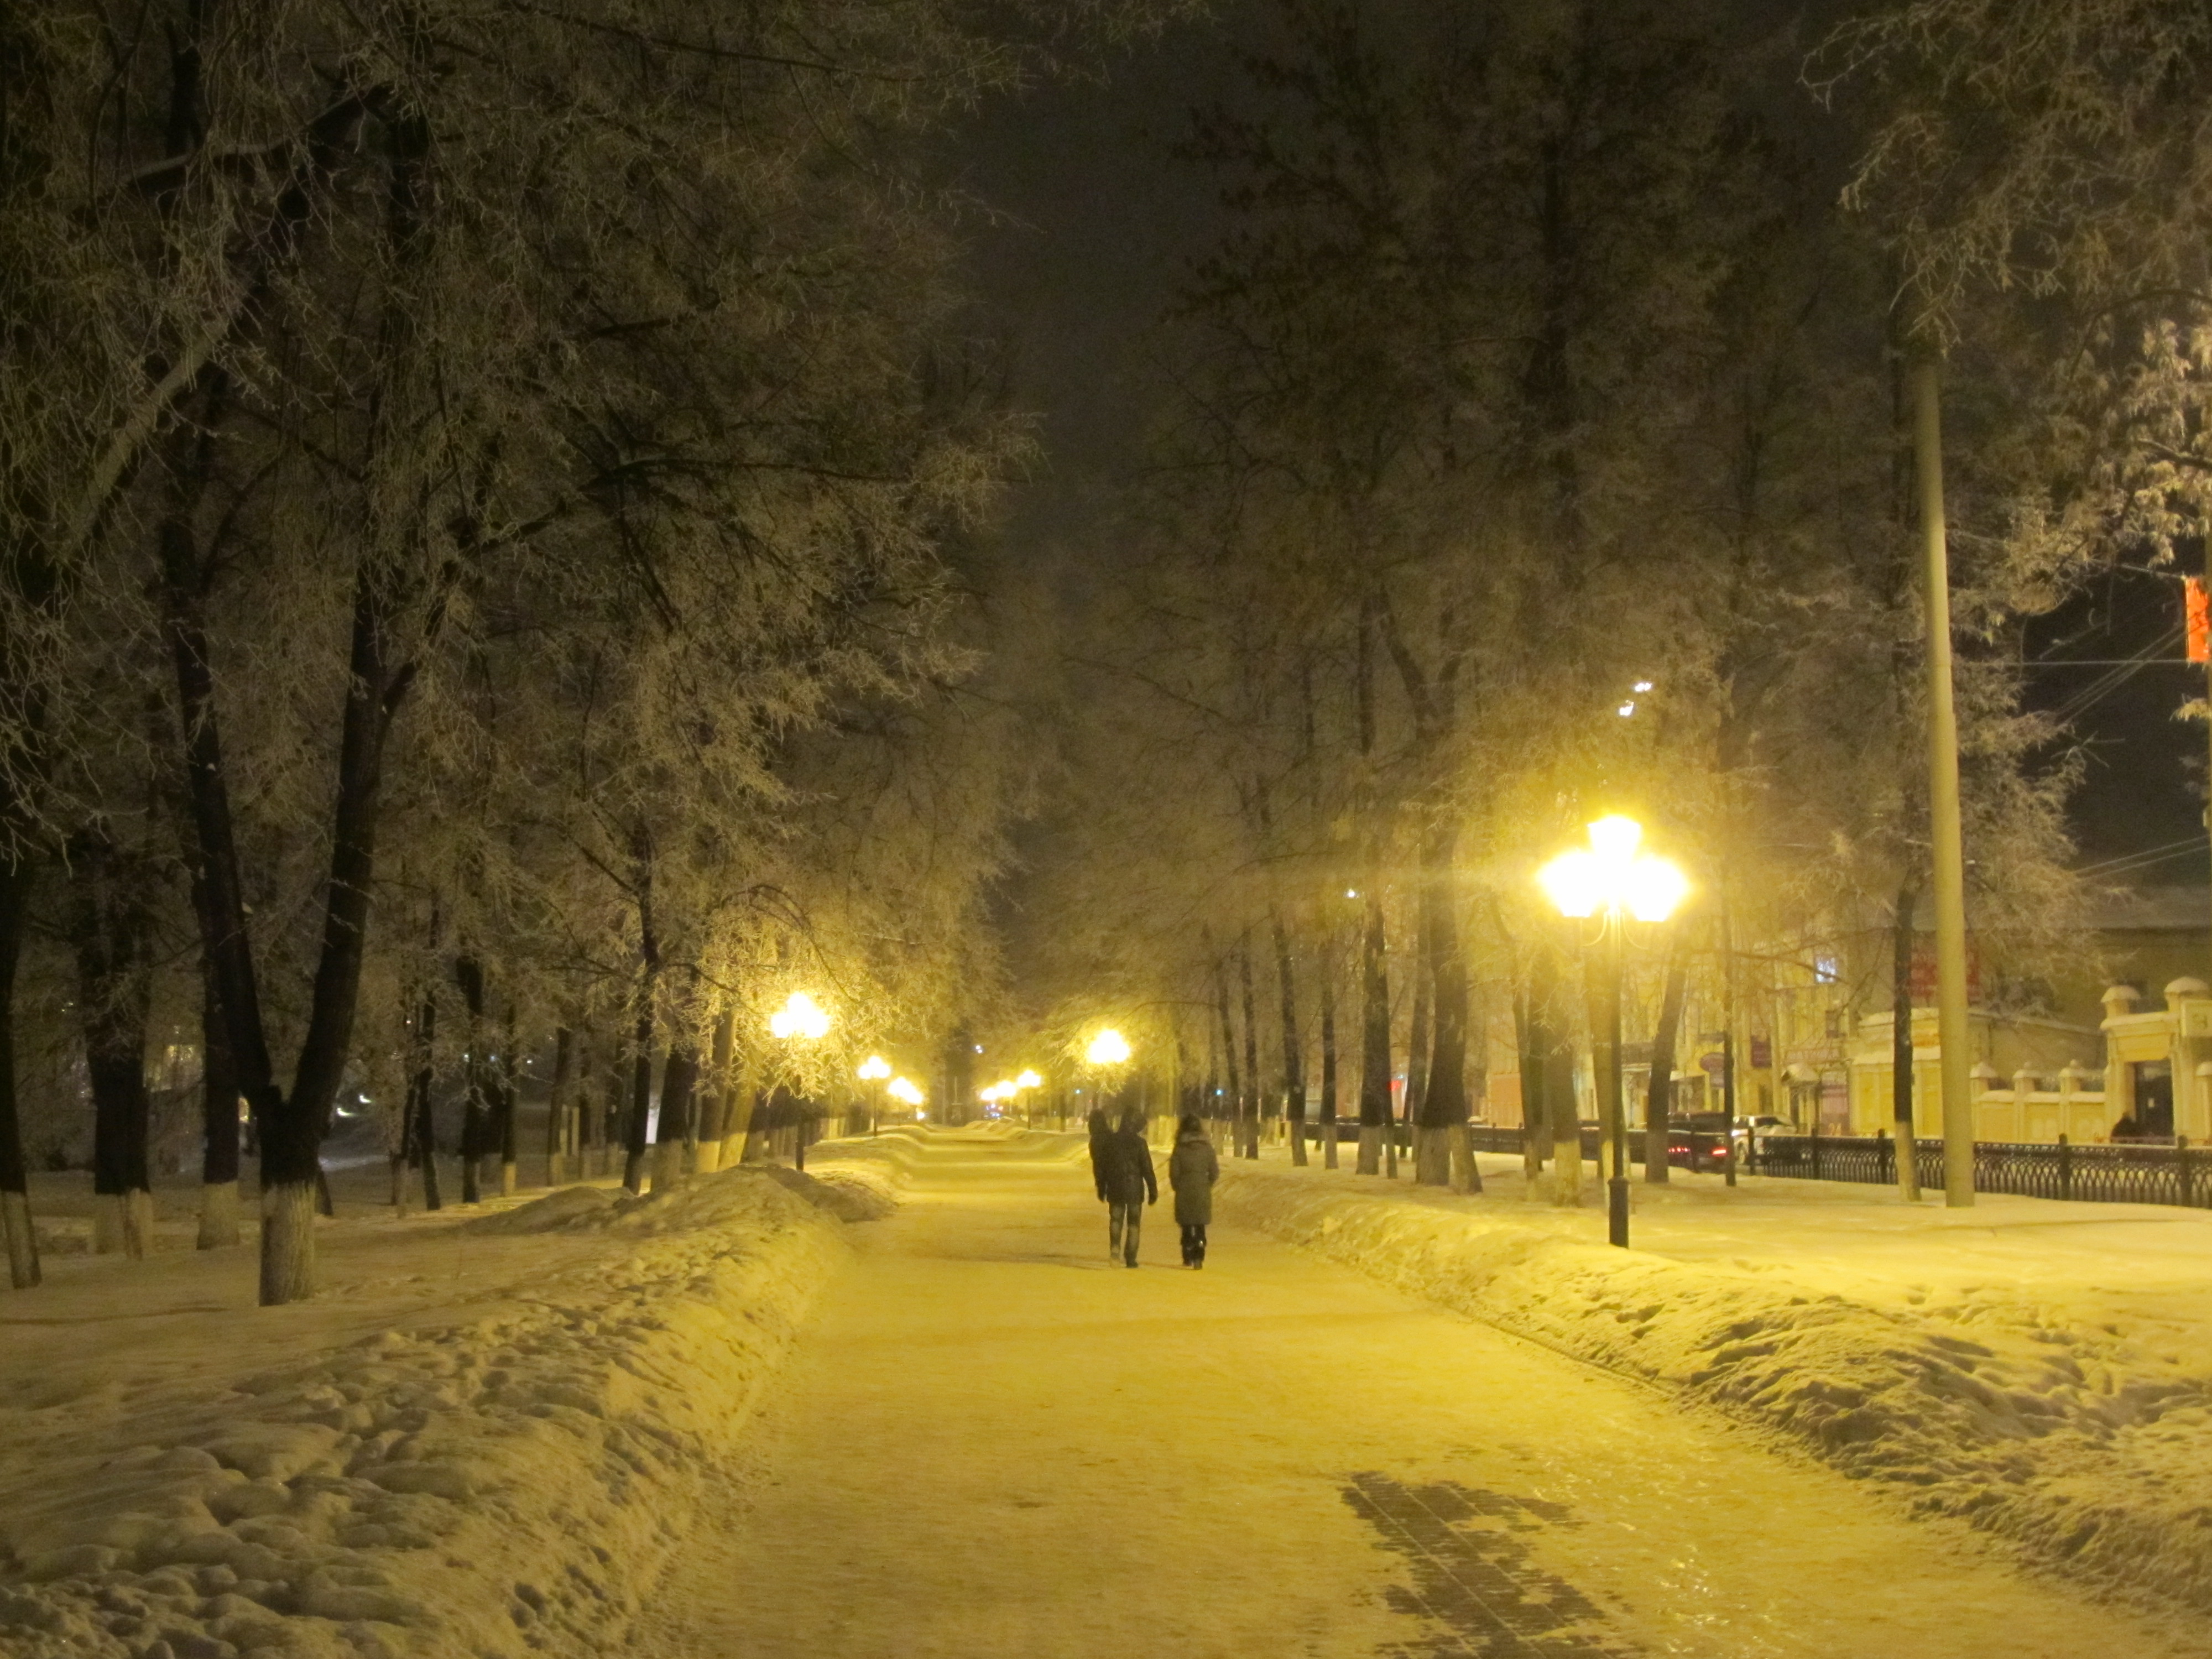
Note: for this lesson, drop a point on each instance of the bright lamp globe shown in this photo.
(1574, 882)
(1108, 1048)
(1615, 839)
(1653, 888)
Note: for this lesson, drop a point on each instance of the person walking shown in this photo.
(1192, 1170)
(1130, 1185)
(1102, 1131)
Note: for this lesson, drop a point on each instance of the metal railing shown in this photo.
(2136, 1173)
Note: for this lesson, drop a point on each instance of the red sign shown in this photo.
(1923, 973)
(2199, 613)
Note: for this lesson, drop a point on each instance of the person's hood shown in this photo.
(1193, 1138)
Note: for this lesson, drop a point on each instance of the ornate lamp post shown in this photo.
(1611, 879)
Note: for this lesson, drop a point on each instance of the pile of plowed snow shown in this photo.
(2088, 1442)
(506, 1485)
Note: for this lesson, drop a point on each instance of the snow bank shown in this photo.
(2084, 1438)
(507, 1484)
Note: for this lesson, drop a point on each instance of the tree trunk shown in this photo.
(1328, 1062)
(1294, 1056)
(1248, 1116)
(1236, 1097)
(1900, 1042)
(506, 1099)
(715, 1103)
(23, 1269)
(219, 1160)
(614, 1111)
(1417, 1058)
(421, 1113)
(1375, 1038)
(1441, 1118)
(557, 1110)
(1535, 1125)
(109, 923)
(476, 1091)
(1559, 1066)
(290, 1129)
(1659, 1092)
(680, 1074)
(641, 1101)
(736, 1127)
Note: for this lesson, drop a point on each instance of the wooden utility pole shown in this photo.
(1953, 1032)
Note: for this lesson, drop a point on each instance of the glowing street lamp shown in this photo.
(1108, 1048)
(874, 1069)
(908, 1093)
(1614, 879)
(801, 1020)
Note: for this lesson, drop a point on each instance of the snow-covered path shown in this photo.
(994, 1443)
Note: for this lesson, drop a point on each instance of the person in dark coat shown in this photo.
(1192, 1170)
(1130, 1186)
(1102, 1131)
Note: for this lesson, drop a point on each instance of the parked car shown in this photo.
(1755, 1130)
(1698, 1142)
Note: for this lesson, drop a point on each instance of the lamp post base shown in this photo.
(1617, 1210)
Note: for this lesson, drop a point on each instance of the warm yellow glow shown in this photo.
(801, 1017)
(900, 1089)
(1574, 883)
(874, 1068)
(1029, 1080)
(1653, 889)
(997, 1091)
(1612, 875)
(1108, 1048)
(1615, 839)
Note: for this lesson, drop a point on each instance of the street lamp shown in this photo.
(801, 1020)
(1108, 1050)
(874, 1069)
(908, 1093)
(1612, 879)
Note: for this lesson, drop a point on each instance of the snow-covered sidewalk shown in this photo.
(2041, 1370)
(484, 1436)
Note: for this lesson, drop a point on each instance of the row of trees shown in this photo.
(489, 494)
(1533, 446)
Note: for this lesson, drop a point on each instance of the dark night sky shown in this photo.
(1096, 221)
(1092, 224)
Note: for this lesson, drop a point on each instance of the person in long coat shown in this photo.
(1192, 1170)
(1102, 1131)
(1130, 1185)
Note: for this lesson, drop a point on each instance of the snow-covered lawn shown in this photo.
(490, 1422)
(2042, 1370)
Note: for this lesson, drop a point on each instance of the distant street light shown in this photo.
(909, 1094)
(874, 1069)
(801, 1020)
(1612, 878)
